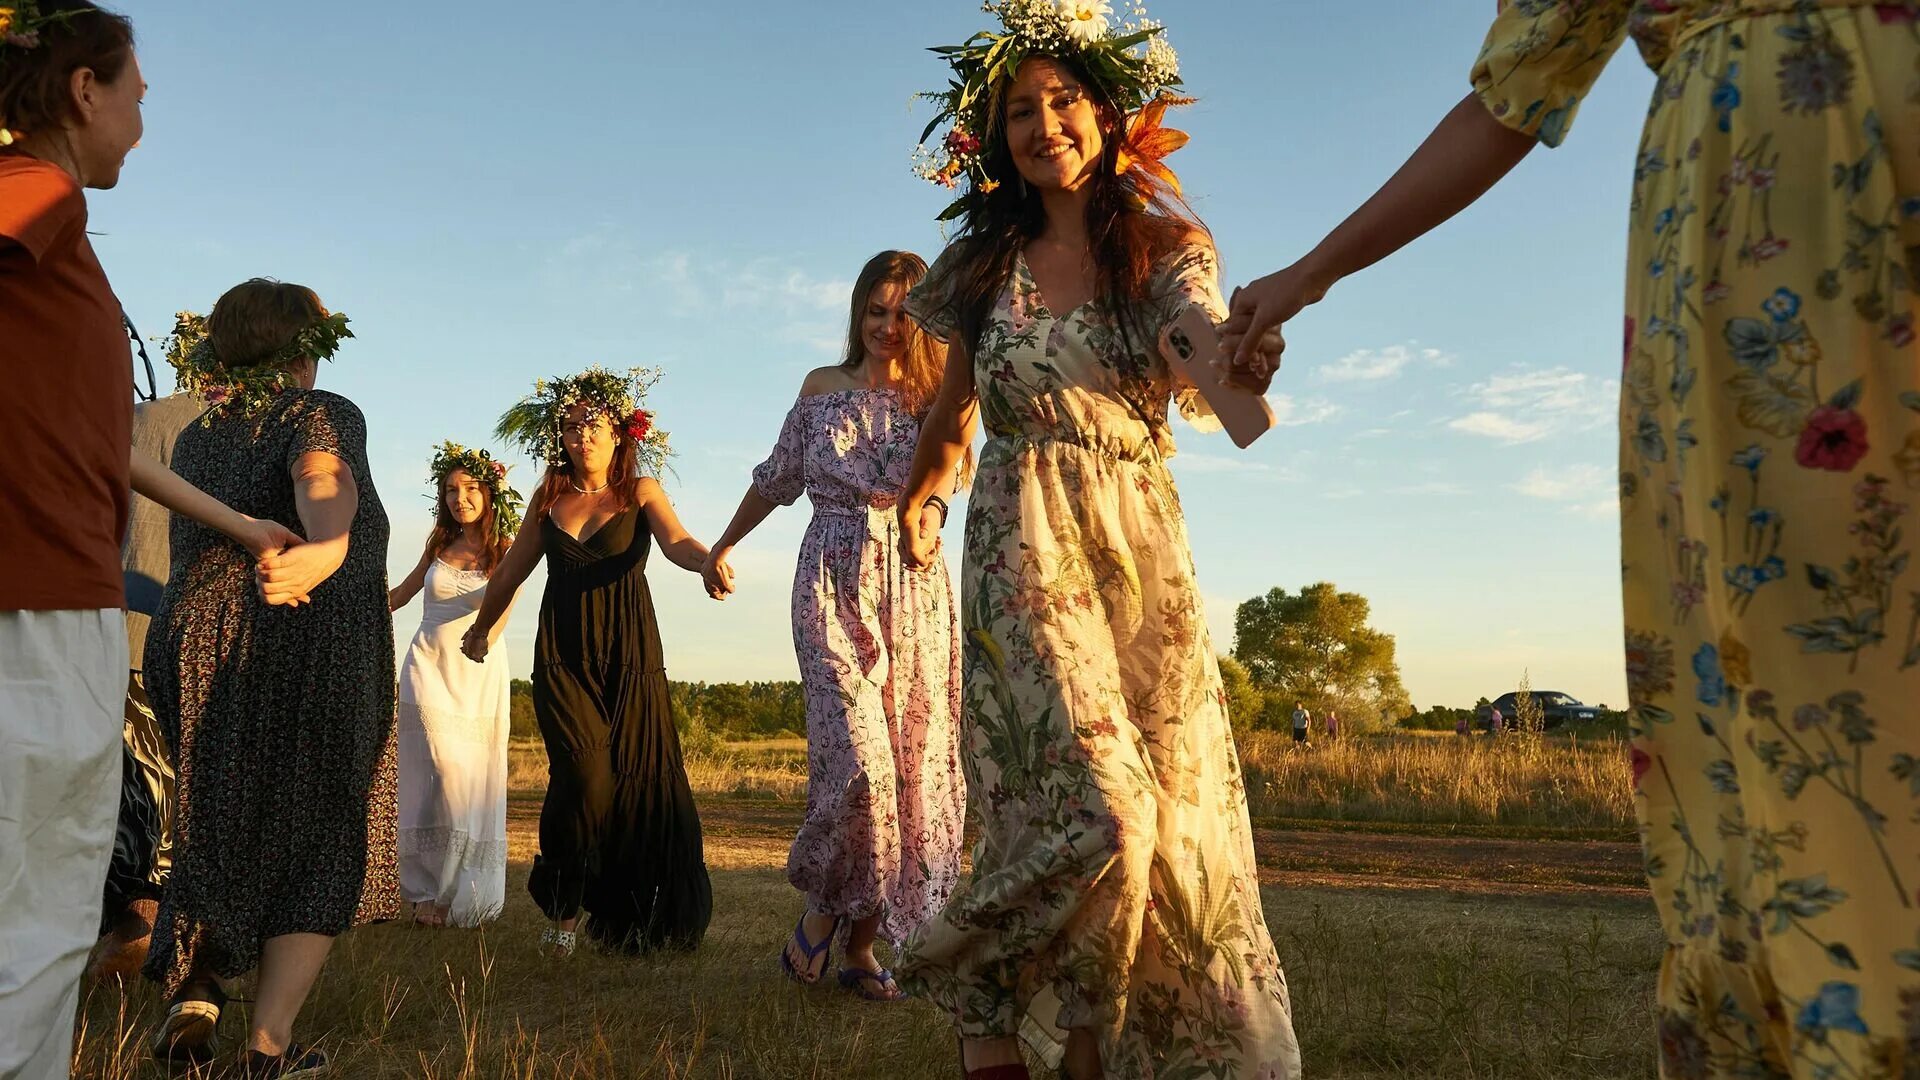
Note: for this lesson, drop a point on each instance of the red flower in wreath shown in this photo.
(1834, 439)
(639, 425)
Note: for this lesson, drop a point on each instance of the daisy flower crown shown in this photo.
(539, 420)
(490, 474)
(1130, 61)
(20, 24)
(198, 369)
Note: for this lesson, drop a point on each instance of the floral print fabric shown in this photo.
(1770, 454)
(879, 667)
(1113, 886)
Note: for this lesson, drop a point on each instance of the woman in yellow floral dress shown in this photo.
(1769, 458)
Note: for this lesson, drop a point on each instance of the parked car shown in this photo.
(1556, 709)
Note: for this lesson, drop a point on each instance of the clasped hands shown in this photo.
(287, 568)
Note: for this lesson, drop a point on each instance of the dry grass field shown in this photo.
(1519, 944)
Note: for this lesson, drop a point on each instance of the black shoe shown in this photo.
(297, 1061)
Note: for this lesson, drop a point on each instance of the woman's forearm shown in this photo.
(512, 572)
(1467, 153)
(686, 553)
(754, 509)
(943, 444)
(164, 486)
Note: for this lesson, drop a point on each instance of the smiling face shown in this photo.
(589, 443)
(884, 326)
(110, 124)
(1053, 127)
(465, 497)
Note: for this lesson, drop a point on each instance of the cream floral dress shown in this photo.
(1769, 460)
(1113, 886)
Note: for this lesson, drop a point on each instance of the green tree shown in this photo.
(1315, 647)
(520, 719)
(1245, 702)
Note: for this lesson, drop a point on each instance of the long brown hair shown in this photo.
(1133, 219)
(446, 530)
(36, 84)
(925, 357)
(623, 474)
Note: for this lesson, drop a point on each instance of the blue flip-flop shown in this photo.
(856, 980)
(811, 949)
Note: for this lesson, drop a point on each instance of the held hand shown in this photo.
(1260, 308)
(717, 575)
(263, 539)
(919, 538)
(475, 643)
(288, 577)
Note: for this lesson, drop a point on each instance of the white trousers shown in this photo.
(63, 684)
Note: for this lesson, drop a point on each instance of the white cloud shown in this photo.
(1495, 426)
(1529, 404)
(1376, 365)
(1290, 412)
(793, 304)
(1566, 484)
(1431, 487)
(1584, 490)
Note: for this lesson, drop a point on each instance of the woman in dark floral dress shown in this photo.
(280, 718)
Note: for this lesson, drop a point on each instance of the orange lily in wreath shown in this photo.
(1147, 142)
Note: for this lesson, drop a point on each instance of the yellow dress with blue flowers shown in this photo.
(1769, 460)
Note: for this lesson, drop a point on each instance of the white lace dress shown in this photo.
(453, 758)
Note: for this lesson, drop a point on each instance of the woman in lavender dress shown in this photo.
(879, 660)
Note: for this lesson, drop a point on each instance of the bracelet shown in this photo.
(935, 500)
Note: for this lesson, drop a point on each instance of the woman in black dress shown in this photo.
(619, 835)
(280, 717)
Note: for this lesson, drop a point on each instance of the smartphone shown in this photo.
(1190, 344)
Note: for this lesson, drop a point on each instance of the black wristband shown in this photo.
(935, 500)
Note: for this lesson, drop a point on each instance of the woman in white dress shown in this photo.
(454, 713)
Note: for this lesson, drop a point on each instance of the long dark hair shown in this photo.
(446, 530)
(1133, 219)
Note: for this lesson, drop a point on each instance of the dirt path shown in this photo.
(749, 833)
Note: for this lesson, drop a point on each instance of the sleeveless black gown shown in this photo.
(619, 835)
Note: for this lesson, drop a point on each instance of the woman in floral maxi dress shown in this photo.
(1112, 916)
(878, 644)
(1769, 458)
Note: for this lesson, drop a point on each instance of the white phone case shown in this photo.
(1190, 345)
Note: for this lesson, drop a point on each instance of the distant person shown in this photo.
(454, 715)
(1333, 725)
(1461, 727)
(1496, 723)
(1301, 718)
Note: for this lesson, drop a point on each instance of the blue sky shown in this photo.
(495, 192)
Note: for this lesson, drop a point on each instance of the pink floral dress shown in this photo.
(879, 665)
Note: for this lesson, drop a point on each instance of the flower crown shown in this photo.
(539, 420)
(1131, 62)
(490, 474)
(198, 370)
(20, 26)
